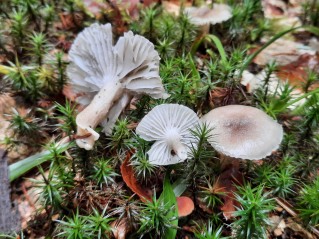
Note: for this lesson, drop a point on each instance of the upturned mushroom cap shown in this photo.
(243, 132)
(169, 125)
(105, 76)
(204, 15)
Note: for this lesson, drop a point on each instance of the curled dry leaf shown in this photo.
(185, 206)
(129, 178)
(228, 180)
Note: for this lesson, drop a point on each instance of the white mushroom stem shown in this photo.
(114, 113)
(174, 141)
(95, 112)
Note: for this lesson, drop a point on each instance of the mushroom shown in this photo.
(105, 77)
(169, 125)
(243, 132)
(185, 206)
(203, 16)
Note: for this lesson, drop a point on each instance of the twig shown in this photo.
(285, 205)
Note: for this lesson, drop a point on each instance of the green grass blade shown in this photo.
(169, 200)
(179, 187)
(219, 46)
(19, 168)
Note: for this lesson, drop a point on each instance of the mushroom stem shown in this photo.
(95, 112)
(179, 149)
(228, 162)
(174, 141)
(114, 113)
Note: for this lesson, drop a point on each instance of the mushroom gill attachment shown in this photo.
(169, 125)
(243, 132)
(106, 76)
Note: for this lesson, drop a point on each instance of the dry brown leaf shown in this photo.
(119, 228)
(299, 229)
(228, 180)
(70, 21)
(95, 7)
(283, 52)
(129, 178)
(297, 72)
(282, 9)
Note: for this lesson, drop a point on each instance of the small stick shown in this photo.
(285, 205)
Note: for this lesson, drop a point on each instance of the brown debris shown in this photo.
(129, 178)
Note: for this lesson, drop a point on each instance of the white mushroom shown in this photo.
(169, 125)
(243, 132)
(204, 16)
(105, 76)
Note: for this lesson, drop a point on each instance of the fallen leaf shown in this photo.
(185, 206)
(297, 72)
(119, 228)
(70, 21)
(287, 12)
(303, 233)
(129, 178)
(228, 180)
(283, 52)
(94, 7)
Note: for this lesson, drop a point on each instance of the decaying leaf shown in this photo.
(286, 12)
(120, 228)
(129, 178)
(296, 72)
(283, 52)
(299, 229)
(228, 180)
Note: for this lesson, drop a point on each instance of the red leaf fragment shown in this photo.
(129, 178)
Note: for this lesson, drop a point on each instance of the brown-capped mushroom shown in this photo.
(106, 76)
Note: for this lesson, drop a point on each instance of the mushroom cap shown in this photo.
(169, 125)
(243, 132)
(185, 206)
(94, 60)
(204, 15)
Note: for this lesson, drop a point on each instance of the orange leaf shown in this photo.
(129, 178)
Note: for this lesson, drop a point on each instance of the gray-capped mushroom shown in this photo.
(169, 125)
(105, 76)
(243, 132)
(204, 16)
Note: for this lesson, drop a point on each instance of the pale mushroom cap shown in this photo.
(243, 132)
(169, 125)
(94, 61)
(105, 77)
(204, 15)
